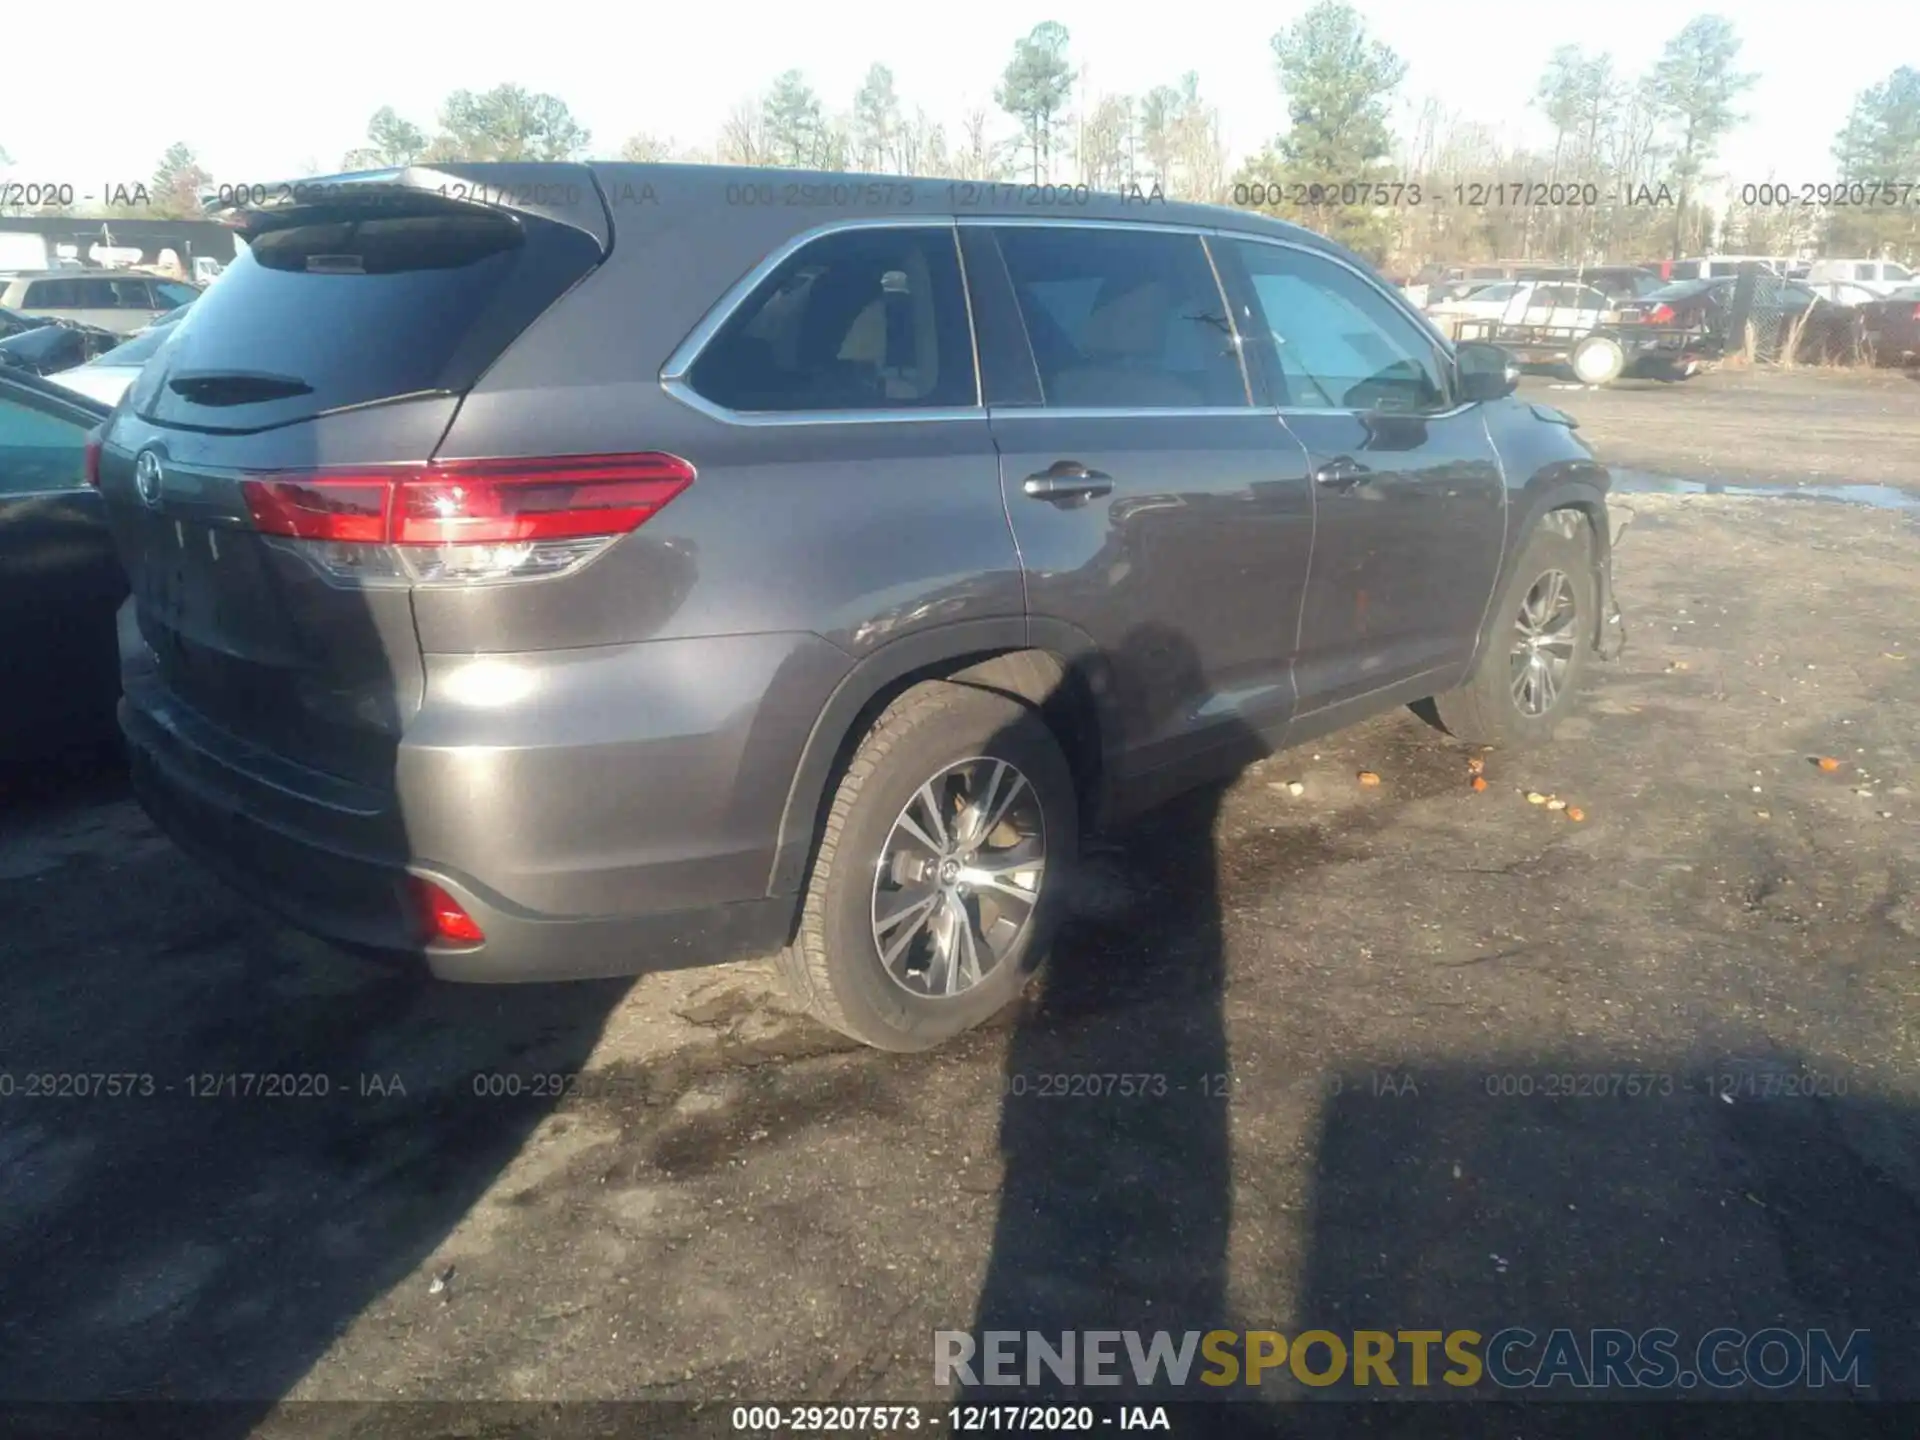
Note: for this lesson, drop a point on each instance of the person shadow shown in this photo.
(1115, 1203)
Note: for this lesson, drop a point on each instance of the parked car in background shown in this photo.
(12, 322)
(1546, 305)
(1880, 277)
(1616, 282)
(542, 597)
(111, 300)
(106, 377)
(1684, 327)
(1723, 267)
(60, 582)
(55, 345)
(1890, 328)
(1841, 292)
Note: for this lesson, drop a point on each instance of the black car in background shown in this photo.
(60, 583)
(1679, 329)
(1890, 328)
(12, 322)
(50, 346)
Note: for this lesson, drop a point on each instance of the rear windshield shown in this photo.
(353, 307)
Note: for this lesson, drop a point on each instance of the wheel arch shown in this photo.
(1053, 667)
(1570, 501)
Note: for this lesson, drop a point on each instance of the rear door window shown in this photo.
(131, 295)
(358, 306)
(1338, 343)
(863, 319)
(1123, 319)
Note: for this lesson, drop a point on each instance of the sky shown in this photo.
(266, 100)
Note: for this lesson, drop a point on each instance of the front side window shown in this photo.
(1334, 341)
(1123, 319)
(173, 294)
(864, 319)
(1865, 271)
(38, 451)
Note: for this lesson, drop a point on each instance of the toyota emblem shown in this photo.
(147, 476)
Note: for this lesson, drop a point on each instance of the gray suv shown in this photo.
(557, 571)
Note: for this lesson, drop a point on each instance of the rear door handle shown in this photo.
(1342, 473)
(1067, 480)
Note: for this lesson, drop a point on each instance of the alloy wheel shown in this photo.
(1544, 637)
(959, 877)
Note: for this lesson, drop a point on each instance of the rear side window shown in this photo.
(1123, 319)
(1865, 272)
(865, 319)
(38, 451)
(53, 295)
(359, 306)
(1336, 342)
(130, 295)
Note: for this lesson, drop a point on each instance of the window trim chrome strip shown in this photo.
(1129, 412)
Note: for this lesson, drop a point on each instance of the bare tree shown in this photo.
(743, 136)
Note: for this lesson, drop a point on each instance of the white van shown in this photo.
(1883, 277)
(1715, 267)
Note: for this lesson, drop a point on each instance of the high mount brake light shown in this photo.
(468, 502)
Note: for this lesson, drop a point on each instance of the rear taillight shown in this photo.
(465, 520)
(90, 457)
(1659, 315)
(443, 916)
(1916, 313)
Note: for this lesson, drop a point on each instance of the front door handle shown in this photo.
(1342, 473)
(1067, 480)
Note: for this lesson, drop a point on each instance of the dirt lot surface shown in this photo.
(1755, 426)
(1340, 1001)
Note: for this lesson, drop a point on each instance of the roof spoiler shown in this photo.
(564, 194)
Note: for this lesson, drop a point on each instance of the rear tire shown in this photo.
(949, 753)
(1531, 668)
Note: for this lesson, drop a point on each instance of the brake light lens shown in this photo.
(1659, 315)
(461, 521)
(1916, 313)
(445, 918)
(90, 457)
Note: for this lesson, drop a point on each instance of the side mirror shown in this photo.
(1487, 372)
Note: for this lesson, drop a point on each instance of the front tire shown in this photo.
(937, 884)
(1526, 677)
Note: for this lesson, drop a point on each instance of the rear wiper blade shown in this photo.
(236, 387)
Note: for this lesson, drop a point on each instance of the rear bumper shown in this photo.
(655, 867)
